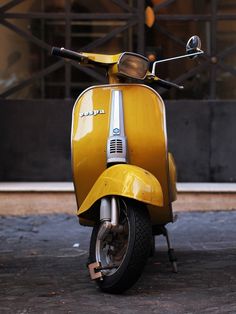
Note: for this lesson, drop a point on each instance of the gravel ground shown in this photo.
(42, 268)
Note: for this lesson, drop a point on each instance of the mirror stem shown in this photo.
(175, 58)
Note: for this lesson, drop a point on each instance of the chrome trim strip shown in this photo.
(117, 114)
(116, 142)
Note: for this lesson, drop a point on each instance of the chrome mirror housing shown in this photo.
(193, 45)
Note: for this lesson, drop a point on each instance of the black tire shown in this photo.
(137, 248)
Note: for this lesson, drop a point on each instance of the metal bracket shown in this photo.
(162, 230)
(171, 255)
(92, 270)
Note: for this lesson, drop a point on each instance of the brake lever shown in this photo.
(163, 83)
(168, 85)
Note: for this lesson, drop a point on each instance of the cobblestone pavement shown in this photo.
(42, 268)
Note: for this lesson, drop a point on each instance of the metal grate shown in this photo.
(66, 24)
(116, 146)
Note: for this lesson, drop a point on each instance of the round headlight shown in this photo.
(133, 65)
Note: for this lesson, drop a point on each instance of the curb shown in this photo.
(39, 198)
(199, 187)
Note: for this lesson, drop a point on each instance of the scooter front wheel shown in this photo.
(123, 255)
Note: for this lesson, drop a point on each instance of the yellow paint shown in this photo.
(100, 58)
(144, 120)
(112, 74)
(173, 178)
(127, 181)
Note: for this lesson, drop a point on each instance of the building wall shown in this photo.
(35, 140)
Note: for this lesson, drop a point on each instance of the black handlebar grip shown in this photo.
(69, 54)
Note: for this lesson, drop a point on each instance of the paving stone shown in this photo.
(42, 272)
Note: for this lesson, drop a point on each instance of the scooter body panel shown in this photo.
(127, 181)
(145, 129)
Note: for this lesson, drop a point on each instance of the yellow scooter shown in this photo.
(124, 177)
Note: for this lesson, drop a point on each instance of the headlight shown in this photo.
(133, 65)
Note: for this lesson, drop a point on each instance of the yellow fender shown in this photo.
(128, 181)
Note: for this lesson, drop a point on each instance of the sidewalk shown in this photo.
(26, 198)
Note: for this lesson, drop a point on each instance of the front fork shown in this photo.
(109, 219)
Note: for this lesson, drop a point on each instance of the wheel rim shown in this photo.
(111, 250)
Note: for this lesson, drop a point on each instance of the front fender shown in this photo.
(128, 181)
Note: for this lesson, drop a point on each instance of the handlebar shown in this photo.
(69, 54)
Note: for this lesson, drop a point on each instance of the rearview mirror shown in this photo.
(193, 45)
(193, 49)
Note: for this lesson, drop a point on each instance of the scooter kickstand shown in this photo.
(172, 257)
